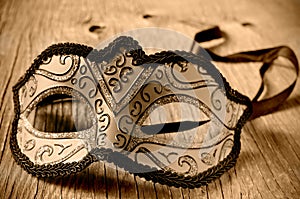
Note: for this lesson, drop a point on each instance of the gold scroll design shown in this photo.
(57, 149)
(121, 80)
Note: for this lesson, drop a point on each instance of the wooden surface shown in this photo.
(269, 163)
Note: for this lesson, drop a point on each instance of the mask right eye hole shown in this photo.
(174, 117)
(60, 113)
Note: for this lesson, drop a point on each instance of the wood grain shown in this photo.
(269, 163)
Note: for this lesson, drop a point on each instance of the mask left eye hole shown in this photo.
(60, 113)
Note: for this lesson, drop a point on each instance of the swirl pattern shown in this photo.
(85, 80)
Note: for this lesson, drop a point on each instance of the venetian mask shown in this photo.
(127, 96)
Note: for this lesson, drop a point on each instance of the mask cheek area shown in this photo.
(49, 151)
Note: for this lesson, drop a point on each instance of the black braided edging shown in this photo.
(168, 177)
(161, 176)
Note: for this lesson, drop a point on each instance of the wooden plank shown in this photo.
(145, 188)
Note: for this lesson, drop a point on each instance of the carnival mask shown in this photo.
(124, 90)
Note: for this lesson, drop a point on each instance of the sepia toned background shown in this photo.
(269, 163)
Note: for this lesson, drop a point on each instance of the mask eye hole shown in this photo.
(174, 117)
(60, 113)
